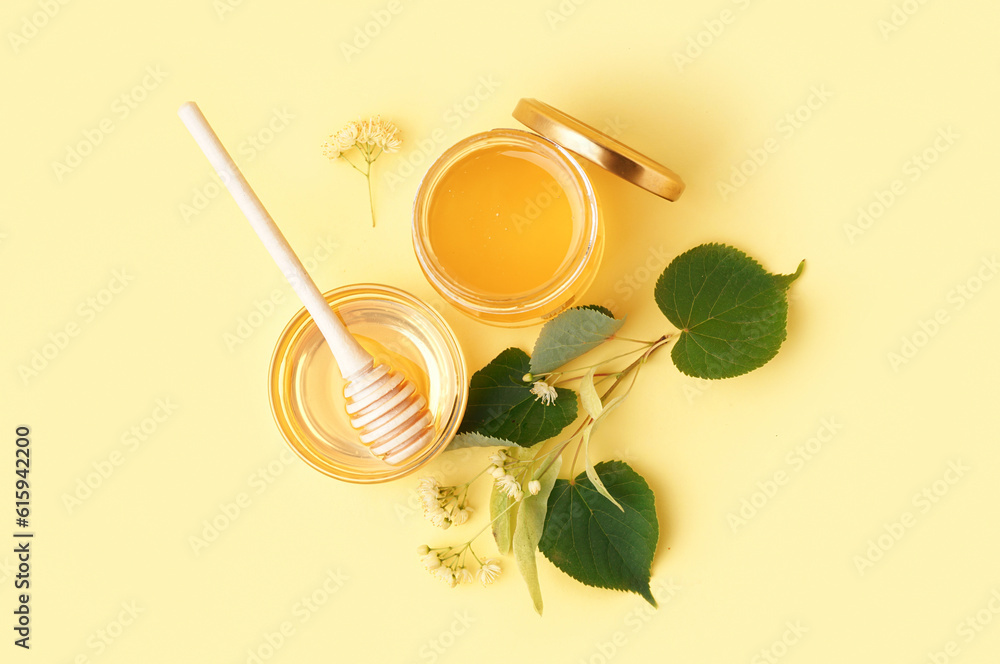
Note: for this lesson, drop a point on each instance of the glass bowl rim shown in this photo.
(300, 323)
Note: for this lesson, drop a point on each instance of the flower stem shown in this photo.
(344, 157)
(556, 451)
(659, 343)
(615, 337)
(601, 376)
(371, 199)
(476, 477)
(631, 369)
(559, 374)
(483, 529)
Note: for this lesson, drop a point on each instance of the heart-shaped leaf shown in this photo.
(596, 543)
(502, 406)
(731, 311)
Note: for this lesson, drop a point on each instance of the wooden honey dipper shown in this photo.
(391, 417)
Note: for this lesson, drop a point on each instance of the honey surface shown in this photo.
(499, 223)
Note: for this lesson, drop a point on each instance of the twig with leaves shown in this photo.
(730, 315)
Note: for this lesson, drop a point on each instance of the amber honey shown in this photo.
(501, 223)
(506, 227)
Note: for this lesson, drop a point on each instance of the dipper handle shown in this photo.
(350, 356)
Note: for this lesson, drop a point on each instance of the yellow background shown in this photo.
(279, 74)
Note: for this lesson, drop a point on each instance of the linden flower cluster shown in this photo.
(448, 564)
(444, 505)
(371, 138)
(502, 468)
(373, 135)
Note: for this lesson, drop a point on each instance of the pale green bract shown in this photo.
(530, 524)
(503, 520)
(587, 432)
(588, 395)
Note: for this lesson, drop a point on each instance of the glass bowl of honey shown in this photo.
(507, 226)
(306, 389)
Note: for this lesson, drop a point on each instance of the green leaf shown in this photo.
(785, 280)
(596, 307)
(473, 439)
(571, 334)
(502, 518)
(591, 540)
(530, 525)
(502, 406)
(731, 312)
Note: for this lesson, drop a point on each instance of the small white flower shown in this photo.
(461, 516)
(366, 130)
(428, 484)
(439, 518)
(508, 485)
(534, 486)
(347, 137)
(389, 136)
(518, 495)
(464, 576)
(497, 472)
(431, 561)
(331, 150)
(392, 143)
(489, 572)
(423, 550)
(545, 392)
(447, 575)
(498, 458)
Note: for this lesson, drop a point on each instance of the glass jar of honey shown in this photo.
(306, 389)
(507, 226)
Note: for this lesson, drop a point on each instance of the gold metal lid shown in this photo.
(598, 147)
